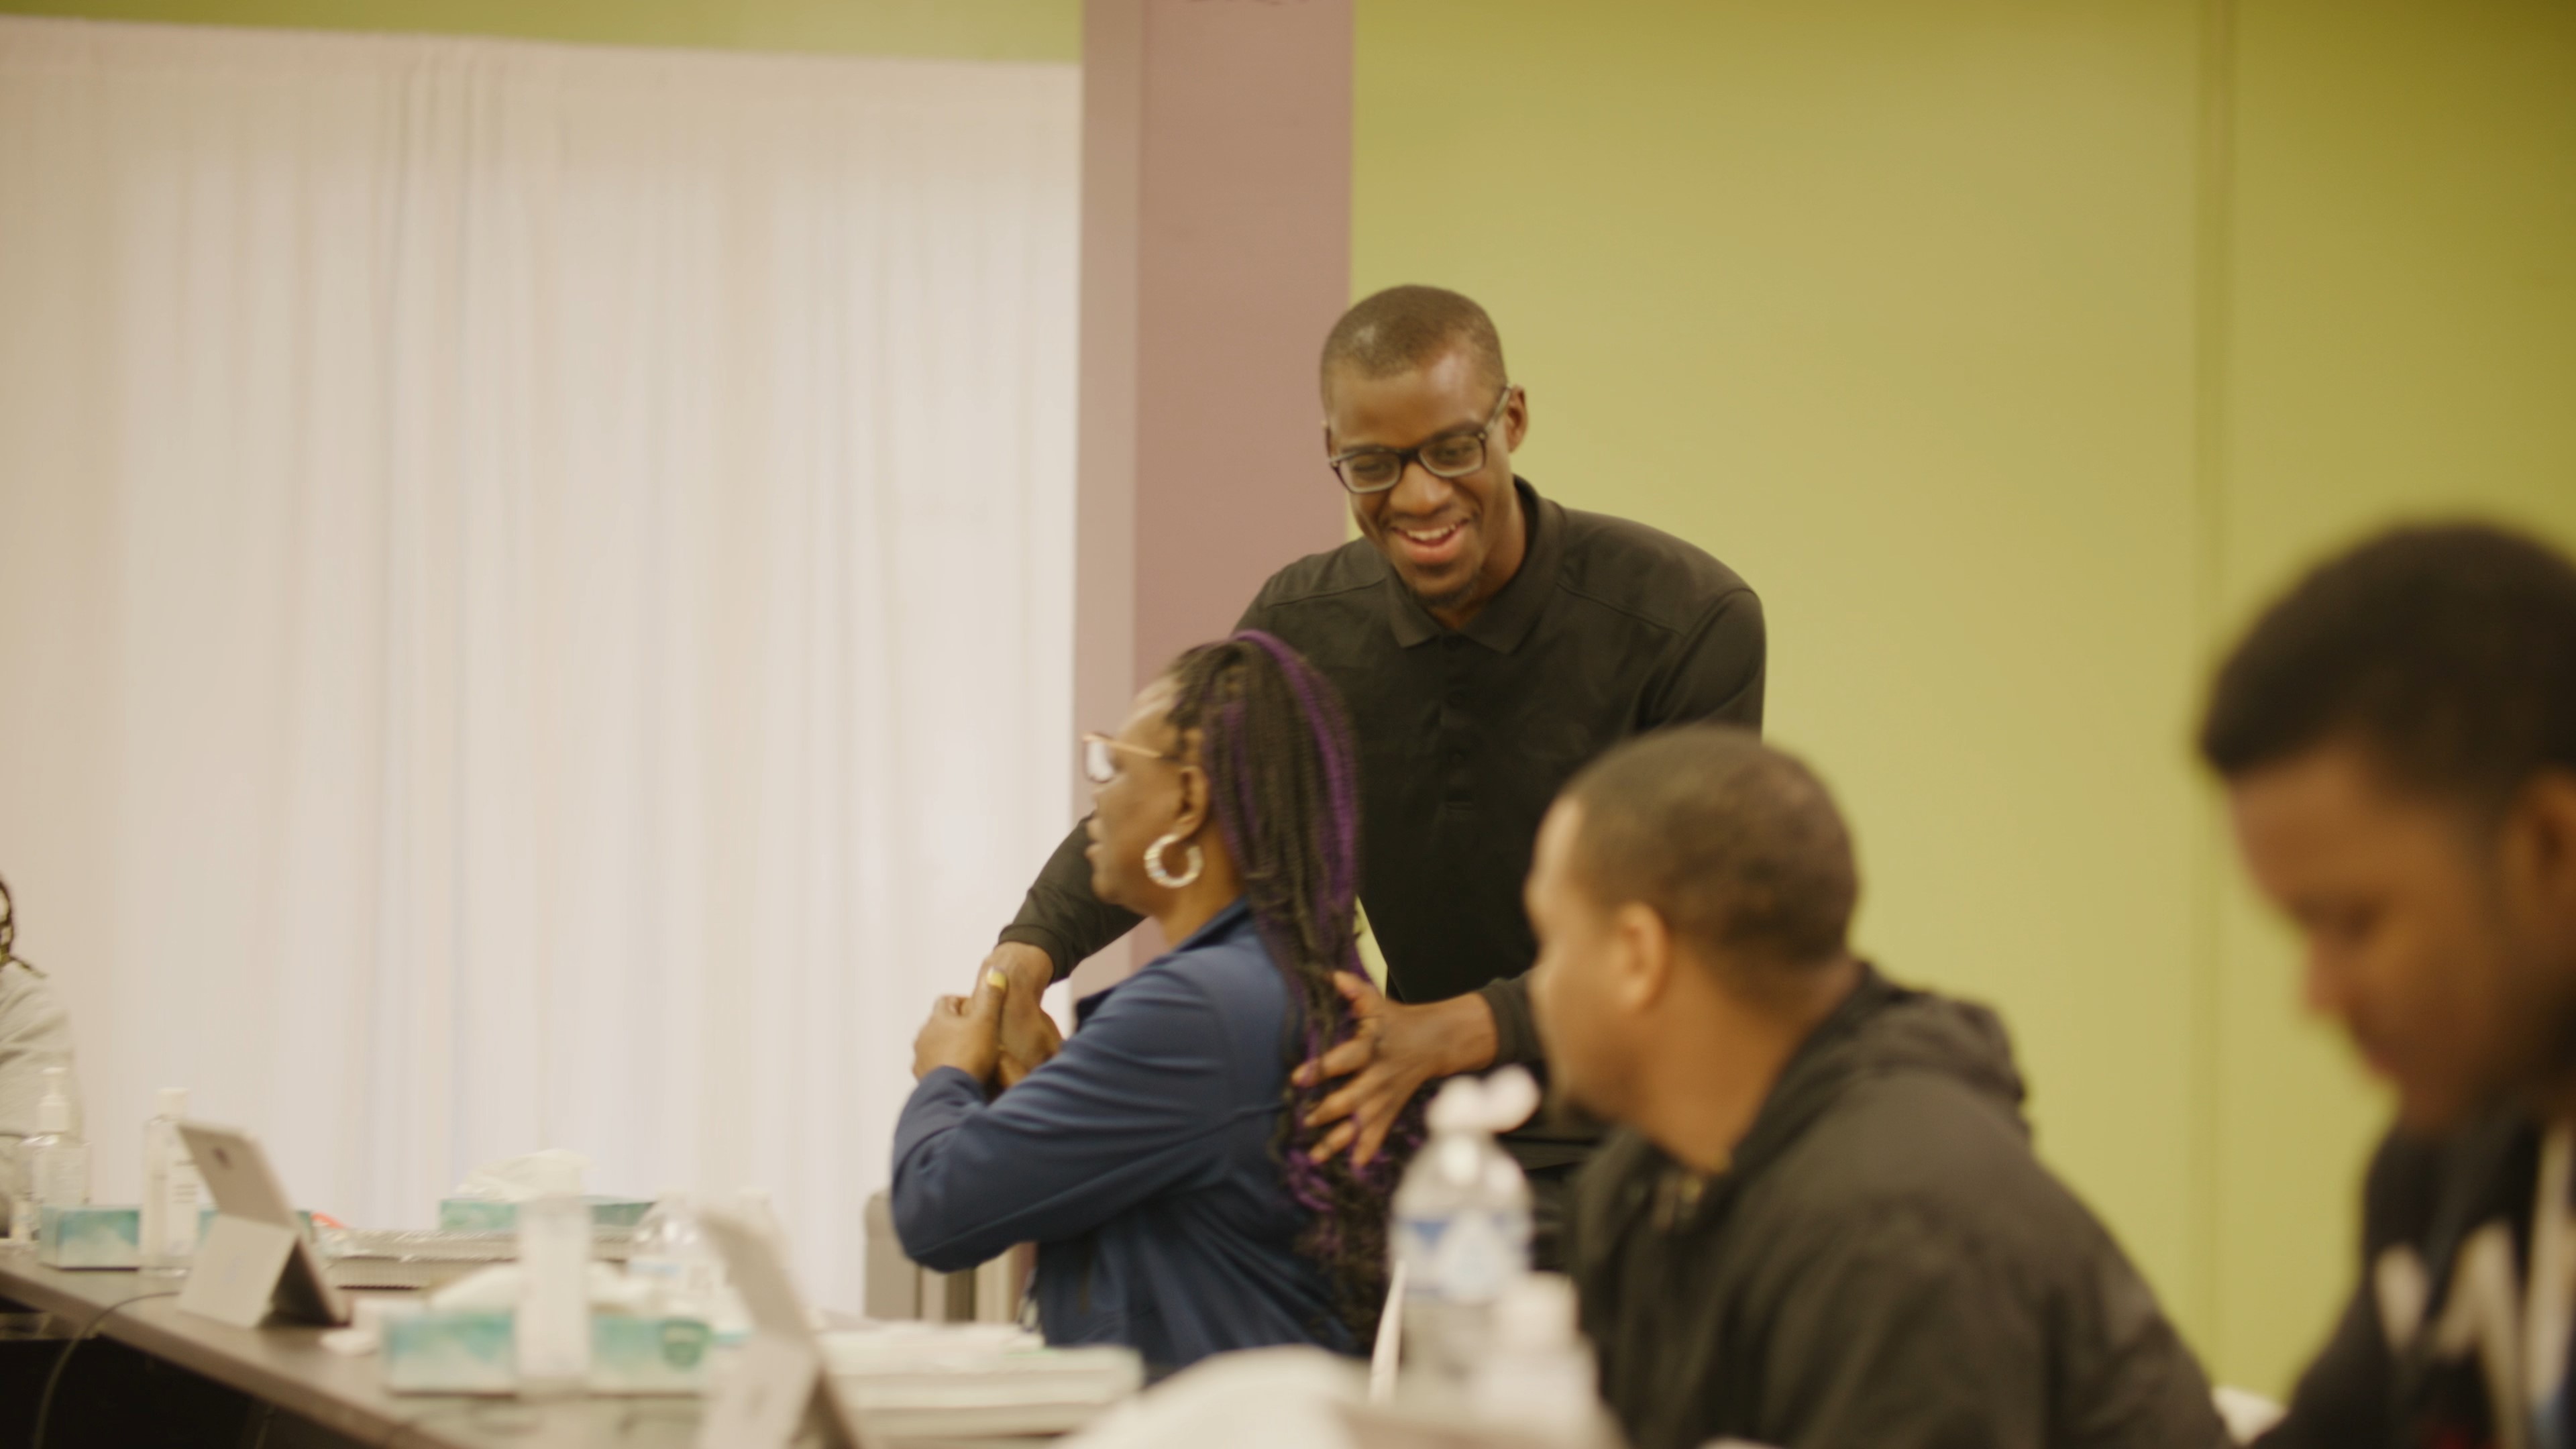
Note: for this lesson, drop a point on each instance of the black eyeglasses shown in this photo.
(1451, 455)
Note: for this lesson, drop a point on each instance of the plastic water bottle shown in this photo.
(673, 1253)
(553, 1324)
(171, 1188)
(57, 1161)
(1462, 1228)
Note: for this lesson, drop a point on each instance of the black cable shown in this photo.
(62, 1361)
(267, 1412)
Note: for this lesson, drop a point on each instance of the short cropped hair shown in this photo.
(1403, 329)
(2447, 652)
(1736, 845)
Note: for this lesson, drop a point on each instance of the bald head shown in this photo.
(1405, 329)
(1737, 846)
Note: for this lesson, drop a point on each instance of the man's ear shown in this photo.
(1642, 959)
(2539, 853)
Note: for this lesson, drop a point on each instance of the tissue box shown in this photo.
(207, 1213)
(630, 1355)
(491, 1215)
(470, 1352)
(89, 1237)
(476, 1352)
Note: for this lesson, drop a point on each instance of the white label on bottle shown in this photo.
(180, 1216)
(1467, 1257)
(61, 1177)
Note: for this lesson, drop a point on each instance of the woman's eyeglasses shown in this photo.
(1451, 455)
(1100, 757)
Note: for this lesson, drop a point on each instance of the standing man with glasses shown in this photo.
(1489, 644)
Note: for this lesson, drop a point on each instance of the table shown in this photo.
(288, 1367)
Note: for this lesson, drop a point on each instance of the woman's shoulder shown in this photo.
(1232, 957)
(28, 1003)
(1228, 971)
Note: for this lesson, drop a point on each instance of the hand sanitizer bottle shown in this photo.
(171, 1188)
(57, 1161)
(553, 1326)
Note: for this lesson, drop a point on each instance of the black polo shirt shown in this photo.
(1610, 629)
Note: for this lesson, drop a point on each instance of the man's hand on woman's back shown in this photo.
(1392, 1051)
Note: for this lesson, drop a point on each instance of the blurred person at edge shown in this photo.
(1156, 1158)
(35, 1033)
(1822, 1223)
(2397, 737)
(1489, 642)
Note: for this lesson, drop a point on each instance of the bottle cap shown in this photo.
(54, 1112)
(1496, 1103)
(174, 1101)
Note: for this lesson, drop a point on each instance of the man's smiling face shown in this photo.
(1453, 541)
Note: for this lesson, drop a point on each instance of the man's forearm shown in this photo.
(1459, 1033)
(1060, 918)
(1508, 1016)
(1030, 969)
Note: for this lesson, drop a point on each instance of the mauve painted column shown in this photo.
(1216, 209)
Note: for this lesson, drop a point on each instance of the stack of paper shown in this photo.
(966, 1380)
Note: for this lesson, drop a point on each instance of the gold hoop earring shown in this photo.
(1155, 871)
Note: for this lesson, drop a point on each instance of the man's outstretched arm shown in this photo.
(1060, 918)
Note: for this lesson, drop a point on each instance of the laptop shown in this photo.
(256, 1259)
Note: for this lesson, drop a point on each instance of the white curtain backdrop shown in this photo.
(535, 591)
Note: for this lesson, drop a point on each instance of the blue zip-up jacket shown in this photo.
(1139, 1161)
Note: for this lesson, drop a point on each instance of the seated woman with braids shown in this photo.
(1155, 1159)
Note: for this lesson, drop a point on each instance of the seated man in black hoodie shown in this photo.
(2398, 737)
(1821, 1222)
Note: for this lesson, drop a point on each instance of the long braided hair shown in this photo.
(1283, 784)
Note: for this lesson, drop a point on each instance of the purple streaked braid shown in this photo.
(1283, 783)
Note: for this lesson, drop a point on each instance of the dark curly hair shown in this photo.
(2448, 651)
(1283, 784)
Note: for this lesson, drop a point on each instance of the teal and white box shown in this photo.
(492, 1215)
(468, 1352)
(476, 1352)
(89, 1237)
(630, 1355)
(207, 1214)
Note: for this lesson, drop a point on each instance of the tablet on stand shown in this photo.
(255, 1260)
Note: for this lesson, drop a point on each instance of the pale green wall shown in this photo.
(1946, 326)
(953, 29)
